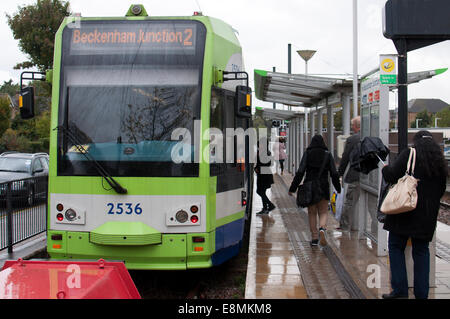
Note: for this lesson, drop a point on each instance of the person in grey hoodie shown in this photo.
(351, 178)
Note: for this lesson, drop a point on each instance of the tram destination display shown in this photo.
(119, 38)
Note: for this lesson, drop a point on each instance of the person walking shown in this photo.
(281, 153)
(420, 223)
(349, 209)
(312, 161)
(264, 177)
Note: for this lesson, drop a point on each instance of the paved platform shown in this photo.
(283, 265)
(26, 249)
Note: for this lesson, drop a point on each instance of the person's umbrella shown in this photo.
(371, 153)
(367, 154)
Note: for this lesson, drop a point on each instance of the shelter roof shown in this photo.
(309, 90)
(296, 89)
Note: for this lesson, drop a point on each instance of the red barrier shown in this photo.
(35, 279)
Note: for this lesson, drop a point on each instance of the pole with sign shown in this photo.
(388, 69)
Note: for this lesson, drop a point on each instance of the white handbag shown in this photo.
(402, 196)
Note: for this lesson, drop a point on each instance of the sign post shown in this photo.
(388, 69)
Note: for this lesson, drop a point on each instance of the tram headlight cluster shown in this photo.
(185, 216)
(181, 216)
(71, 215)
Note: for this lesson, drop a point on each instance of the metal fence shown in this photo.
(23, 210)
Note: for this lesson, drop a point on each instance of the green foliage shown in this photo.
(338, 121)
(35, 27)
(5, 114)
(258, 120)
(444, 117)
(425, 119)
(9, 88)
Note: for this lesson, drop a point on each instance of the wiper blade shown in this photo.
(101, 170)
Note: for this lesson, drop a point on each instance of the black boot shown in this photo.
(393, 295)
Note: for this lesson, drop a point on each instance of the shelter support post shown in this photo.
(302, 136)
(330, 127)
(320, 122)
(346, 115)
(402, 95)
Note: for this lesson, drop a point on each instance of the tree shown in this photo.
(35, 27)
(5, 114)
(444, 117)
(10, 88)
(425, 119)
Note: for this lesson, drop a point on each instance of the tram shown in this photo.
(133, 175)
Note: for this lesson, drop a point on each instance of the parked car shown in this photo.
(27, 173)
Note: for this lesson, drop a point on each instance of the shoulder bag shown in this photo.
(310, 192)
(402, 196)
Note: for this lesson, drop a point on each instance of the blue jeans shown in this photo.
(421, 258)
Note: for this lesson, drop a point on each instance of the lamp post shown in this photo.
(306, 55)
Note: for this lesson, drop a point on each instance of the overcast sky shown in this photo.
(266, 27)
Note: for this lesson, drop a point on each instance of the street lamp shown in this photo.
(306, 55)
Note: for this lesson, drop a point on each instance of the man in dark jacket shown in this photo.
(264, 177)
(349, 209)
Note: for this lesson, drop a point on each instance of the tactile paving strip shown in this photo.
(443, 250)
(323, 277)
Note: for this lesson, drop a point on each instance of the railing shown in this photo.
(23, 210)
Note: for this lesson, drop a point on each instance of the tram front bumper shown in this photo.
(175, 252)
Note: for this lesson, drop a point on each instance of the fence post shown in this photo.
(9, 218)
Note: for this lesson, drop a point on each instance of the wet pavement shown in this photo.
(283, 265)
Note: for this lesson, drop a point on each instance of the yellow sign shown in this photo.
(388, 69)
(388, 65)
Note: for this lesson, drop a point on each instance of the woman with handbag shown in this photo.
(315, 165)
(419, 224)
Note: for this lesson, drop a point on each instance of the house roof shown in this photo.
(431, 105)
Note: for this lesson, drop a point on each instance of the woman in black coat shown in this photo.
(316, 154)
(420, 223)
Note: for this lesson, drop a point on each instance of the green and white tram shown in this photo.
(132, 174)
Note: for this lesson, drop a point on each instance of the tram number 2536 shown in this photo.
(124, 208)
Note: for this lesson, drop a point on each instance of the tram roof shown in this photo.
(309, 90)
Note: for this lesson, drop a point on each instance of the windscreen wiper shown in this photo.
(100, 169)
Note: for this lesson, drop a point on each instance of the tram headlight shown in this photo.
(70, 214)
(181, 216)
(136, 9)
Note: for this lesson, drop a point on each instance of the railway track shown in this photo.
(445, 205)
(226, 281)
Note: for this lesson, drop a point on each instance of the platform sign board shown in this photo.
(375, 123)
(388, 69)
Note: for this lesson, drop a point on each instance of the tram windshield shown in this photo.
(126, 86)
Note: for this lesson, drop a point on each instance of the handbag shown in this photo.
(402, 196)
(310, 192)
